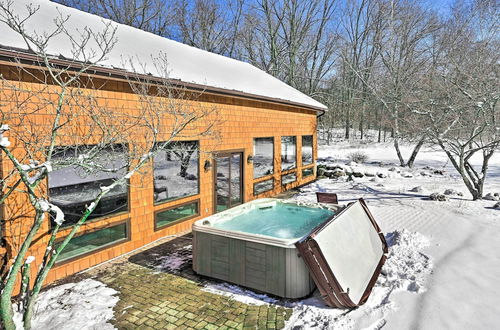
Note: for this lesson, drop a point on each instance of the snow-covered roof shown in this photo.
(185, 63)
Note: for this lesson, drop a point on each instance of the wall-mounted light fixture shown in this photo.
(207, 166)
(249, 159)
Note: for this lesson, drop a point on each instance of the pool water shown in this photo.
(278, 220)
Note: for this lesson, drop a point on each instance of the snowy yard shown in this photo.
(443, 266)
(441, 273)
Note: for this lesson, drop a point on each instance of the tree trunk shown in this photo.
(398, 152)
(414, 153)
(348, 123)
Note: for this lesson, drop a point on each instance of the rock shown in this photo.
(450, 192)
(328, 173)
(438, 197)
(497, 206)
(332, 167)
(321, 171)
(418, 189)
(382, 175)
(439, 172)
(407, 175)
(491, 197)
(338, 173)
(357, 174)
(425, 173)
(369, 174)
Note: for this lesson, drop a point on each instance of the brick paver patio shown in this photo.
(157, 298)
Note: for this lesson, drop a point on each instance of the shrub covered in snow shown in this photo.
(359, 157)
(438, 197)
(492, 197)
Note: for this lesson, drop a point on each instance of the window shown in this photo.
(307, 150)
(74, 187)
(263, 159)
(288, 178)
(260, 187)
(93, 241)
(176, 214)
(307, 172)
(288, 153)
(176, 172)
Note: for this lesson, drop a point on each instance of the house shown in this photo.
(267, 142)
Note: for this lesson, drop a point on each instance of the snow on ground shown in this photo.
(443, 265)
(240, 294)
(405, 271)
(87, 304)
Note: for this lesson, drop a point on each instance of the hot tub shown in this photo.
(253, 245)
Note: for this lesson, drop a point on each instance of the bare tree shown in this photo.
(210, 25)
(293, 41)
(58, 122)
(155, 16)
(462, 91)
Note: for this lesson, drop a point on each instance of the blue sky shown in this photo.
(442, 6)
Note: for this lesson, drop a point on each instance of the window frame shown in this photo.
(273, 157)
(97, 219)
(197, 214)
(281, 155)
(93, 230)
(198, 186)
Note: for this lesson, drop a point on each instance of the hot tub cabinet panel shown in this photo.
(273, 269)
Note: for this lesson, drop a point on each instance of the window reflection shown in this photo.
(263, 186)
(307, 150)
(74, 187)
(176, 171)
(263, 159)
(288, 152)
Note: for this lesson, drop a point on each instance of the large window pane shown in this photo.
(263, 159)
(263, 186)
(307, 150)
(179, 213)
(92, 241)
(288, 152)
(74, 187)
(176, 171)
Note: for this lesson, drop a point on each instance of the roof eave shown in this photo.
(14, 55)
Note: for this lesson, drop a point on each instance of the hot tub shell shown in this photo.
(343, 255)
(262, 263)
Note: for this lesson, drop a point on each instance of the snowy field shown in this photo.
(441, 273)
(443, 260)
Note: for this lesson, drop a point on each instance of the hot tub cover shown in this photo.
(345, 255)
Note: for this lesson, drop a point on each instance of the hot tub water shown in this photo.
(280, 220)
